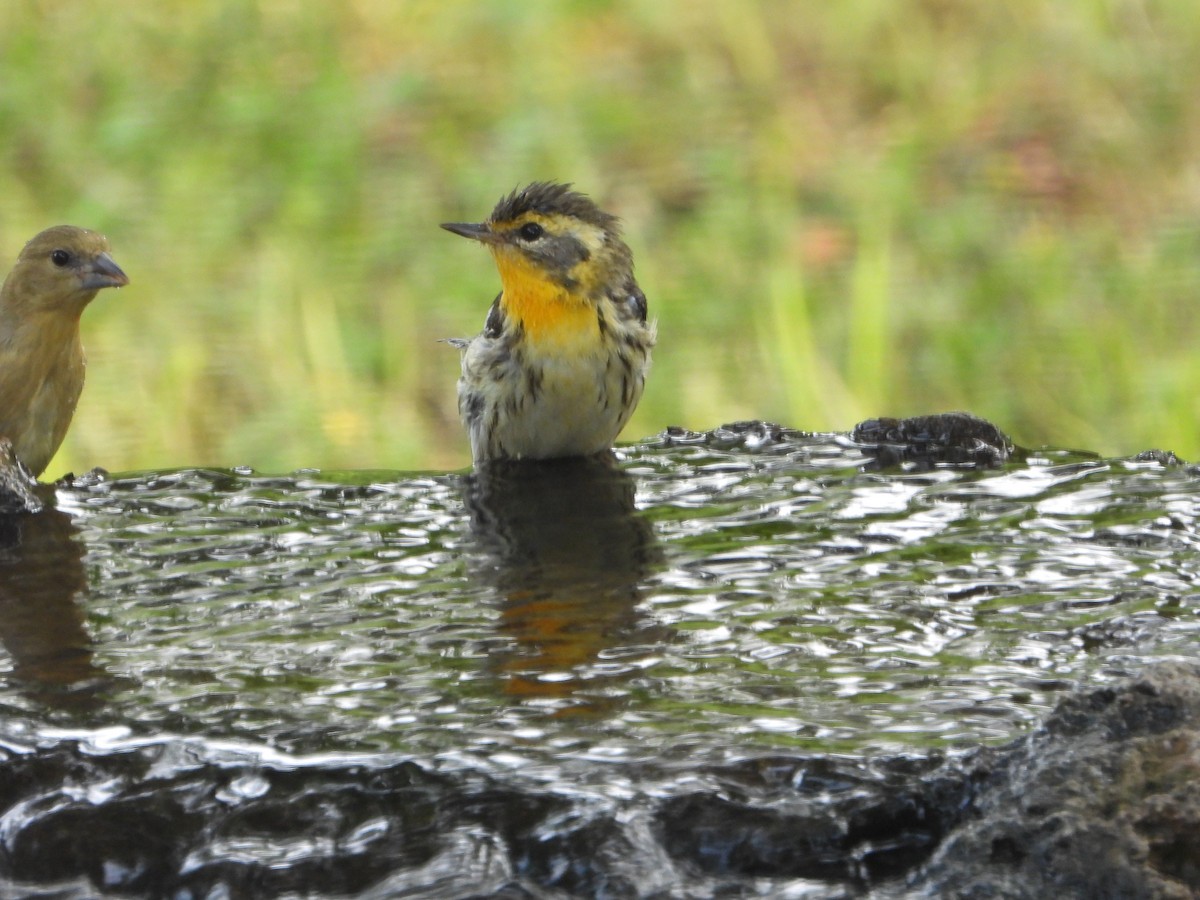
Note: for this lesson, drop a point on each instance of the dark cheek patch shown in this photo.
(561, 254)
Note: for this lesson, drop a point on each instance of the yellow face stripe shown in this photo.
(549, 312)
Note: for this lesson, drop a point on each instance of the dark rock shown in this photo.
(752, 434)
(1103, 800)
(827, 819)
(956, 438)
(130, 844)
(1162, 457)
(16, 484)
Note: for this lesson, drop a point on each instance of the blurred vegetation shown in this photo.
(838, 210)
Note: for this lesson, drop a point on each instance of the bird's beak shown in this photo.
(480, 231)
(103, 272)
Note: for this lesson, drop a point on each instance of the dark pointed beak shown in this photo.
(103, 272)
(480, 231)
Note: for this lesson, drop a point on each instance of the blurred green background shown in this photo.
(838, 210)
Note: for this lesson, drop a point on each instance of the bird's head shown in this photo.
(548, 232)
(60, 270)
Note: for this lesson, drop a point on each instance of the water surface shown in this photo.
(587, 628)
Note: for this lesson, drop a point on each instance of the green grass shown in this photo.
(872, 207)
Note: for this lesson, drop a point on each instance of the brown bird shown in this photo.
(41, 357)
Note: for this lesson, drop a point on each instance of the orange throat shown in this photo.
(551, 315)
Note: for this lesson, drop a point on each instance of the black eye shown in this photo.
(60, 257)
(531, 231)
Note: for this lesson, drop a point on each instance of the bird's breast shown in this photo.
(41, 377)
(552, 317)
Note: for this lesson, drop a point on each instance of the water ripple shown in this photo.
(708, 595)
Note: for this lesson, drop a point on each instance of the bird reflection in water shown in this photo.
(42, 579)
(563, 545)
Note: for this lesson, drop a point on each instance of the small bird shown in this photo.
(563, 356)
(41, 357)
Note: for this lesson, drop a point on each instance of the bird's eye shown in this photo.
(60, 257)
(531, 231)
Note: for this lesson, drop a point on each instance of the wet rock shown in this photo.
(16, 484)
(88, 480)
(1103, 800)
(955, 438)
(752, 434)
(1162, 457)
(817, 819)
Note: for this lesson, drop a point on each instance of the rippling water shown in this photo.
(706, 598)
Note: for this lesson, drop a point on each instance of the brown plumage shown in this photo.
(41, 357)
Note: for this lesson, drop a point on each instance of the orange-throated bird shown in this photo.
(41, 357)
(562, 359)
